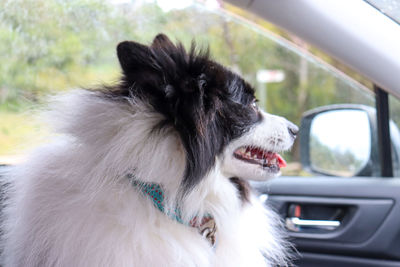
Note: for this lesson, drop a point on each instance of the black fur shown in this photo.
(207, 104)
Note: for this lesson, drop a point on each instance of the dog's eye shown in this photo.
(254, 105)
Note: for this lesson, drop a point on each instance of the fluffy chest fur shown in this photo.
(118, 227)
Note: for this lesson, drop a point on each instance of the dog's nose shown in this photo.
(293, 129)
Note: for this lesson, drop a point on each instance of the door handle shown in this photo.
(296, 224)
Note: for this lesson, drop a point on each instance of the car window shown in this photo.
(390, 8)
(49, 46)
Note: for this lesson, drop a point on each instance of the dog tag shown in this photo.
(208, 229)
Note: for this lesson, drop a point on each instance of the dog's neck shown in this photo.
(205, 225)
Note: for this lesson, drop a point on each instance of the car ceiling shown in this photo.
(353, 32)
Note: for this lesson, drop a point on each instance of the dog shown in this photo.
(152, 171)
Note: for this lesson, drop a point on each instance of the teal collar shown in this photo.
(156, 194)
(206, 226)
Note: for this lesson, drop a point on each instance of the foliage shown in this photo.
(51, 45)
(16, 132)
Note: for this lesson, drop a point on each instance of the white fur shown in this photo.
(72, 205)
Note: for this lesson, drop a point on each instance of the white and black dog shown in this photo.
(151, 172)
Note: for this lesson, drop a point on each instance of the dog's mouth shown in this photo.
(268, 160)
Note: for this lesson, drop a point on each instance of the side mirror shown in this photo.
(340, 140)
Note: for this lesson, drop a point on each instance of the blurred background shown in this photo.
(48, 46)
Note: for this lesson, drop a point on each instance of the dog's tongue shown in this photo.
(281, 161)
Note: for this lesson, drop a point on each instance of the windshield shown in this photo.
(390, 8)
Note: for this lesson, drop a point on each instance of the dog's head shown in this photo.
(213, 110)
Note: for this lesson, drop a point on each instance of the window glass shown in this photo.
(390, 8)
(49, 46)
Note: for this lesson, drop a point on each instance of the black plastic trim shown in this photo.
(384, 141)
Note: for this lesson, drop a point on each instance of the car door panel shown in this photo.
(369, 226)
(362, 217)
(317, 260)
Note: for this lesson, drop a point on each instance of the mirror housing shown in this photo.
(370, 165)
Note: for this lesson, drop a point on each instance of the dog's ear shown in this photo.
(153, 69)
(140, 68)
(161, 41)
(133, 56)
